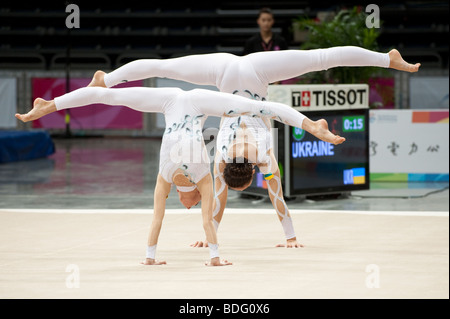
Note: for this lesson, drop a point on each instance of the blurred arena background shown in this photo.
(35, 41)
(101, 158)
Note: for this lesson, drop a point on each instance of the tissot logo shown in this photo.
(330, 97)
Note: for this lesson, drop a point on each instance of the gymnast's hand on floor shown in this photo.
(291, 243)
(217, 262)
(200, 243)
(150, 261)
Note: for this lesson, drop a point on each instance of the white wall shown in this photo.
(409, 141)
(8, 103)
(428, 92)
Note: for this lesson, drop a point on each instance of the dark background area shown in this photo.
(34, 35)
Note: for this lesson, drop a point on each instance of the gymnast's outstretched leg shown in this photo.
(201, 69)
(135, 98)
(273, 66)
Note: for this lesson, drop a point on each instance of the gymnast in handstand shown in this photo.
(183, 157)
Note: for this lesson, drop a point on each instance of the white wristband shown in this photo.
(213, 250)
(288, 227)
(151, 252)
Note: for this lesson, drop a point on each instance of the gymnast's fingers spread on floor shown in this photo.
(215, 262)
(199, 243)
(291, 244)
(149, 261)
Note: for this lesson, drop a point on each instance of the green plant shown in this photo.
(348, 27)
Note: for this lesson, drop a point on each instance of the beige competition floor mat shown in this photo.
(97, 254)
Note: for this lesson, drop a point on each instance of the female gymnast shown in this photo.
(250, 76)
(183, 157)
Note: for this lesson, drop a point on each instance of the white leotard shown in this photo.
(182, 145)
(257, 131)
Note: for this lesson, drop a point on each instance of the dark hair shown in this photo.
(238, 173)
(265, 10)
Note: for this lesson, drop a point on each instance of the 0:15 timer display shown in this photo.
(353, 123)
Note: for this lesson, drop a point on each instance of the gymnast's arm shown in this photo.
(221, 189)
(220, 197)
(162, 190)
(276, 197)
(205, 187)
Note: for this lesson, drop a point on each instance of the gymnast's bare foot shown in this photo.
(320, 130)
(398, 63)
(41, 108)
(98, 79)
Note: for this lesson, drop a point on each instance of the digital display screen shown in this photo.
(320, 167)
(317, 167)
